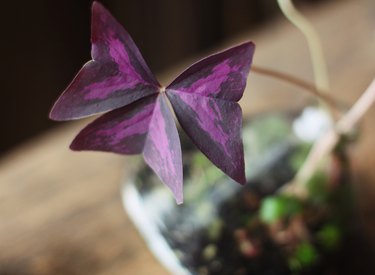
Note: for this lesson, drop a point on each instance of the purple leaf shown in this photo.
(214, 125)
(118, 80)
(122, 131)
(147, 127)
(162, 150)
(204, 100)
(222, 75)
(116, 76)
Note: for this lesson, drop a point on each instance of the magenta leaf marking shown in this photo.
(222, 75)
(116, 76)
(162, 151)
(146, 127)
(214, 125)
(123, 130)
(204, 100)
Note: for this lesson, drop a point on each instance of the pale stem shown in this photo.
(314, 44)
(300, 83)
(326, 143)
(313, 40)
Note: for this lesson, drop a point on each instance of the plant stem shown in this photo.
(314, 44)
(320, 148)
(326, 143)
(300, 83)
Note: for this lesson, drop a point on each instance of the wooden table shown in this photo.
(61, 212)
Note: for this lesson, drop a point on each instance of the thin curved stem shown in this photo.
(326, 143)
(313, 40)
(298, 185)
(300, 83)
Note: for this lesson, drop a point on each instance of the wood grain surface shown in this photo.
(61, 212)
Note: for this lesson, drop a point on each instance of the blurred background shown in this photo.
(45, 43)
(60, 211)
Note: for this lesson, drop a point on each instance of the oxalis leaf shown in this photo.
(138, 120)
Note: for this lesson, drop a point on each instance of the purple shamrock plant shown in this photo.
(138, 119)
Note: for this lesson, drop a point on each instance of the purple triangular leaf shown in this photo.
(222, 75)
(147, 127)
(204, 100)
(122, 131)
(214, 125)
(117, 75)
(162, 150)
(118, 80)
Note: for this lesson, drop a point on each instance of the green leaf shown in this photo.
(306, 254)
(329, 236)
(274, 208)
